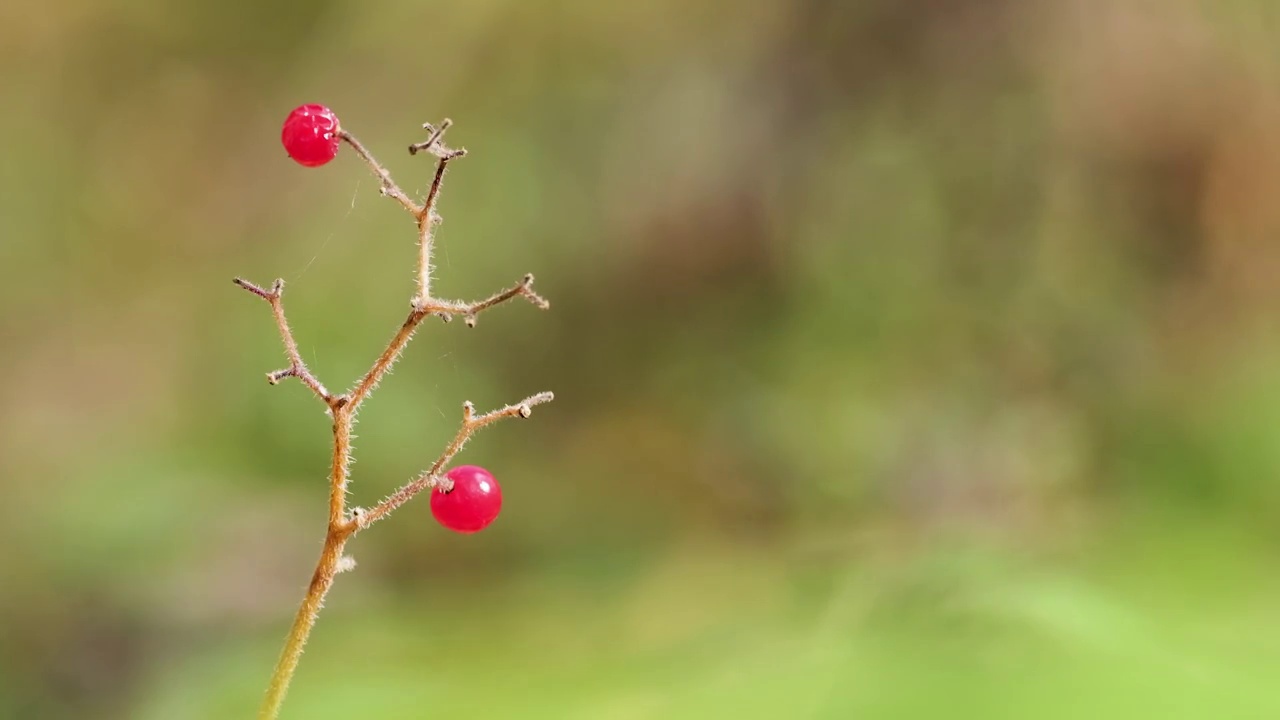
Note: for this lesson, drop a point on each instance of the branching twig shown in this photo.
(389, 187)
(424, 214)
(446, 309)
(297, 368)
(469, 311)
(432, 478)
(432, 144)
(341, 523)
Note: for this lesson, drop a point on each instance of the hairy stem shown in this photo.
(431, 478)
(297, 368)
(326, 568)
(428, 218)
(321, 581)
(389, 187)
(342, 524)
(342, 418)
(447, 309)
(388, 358)
(340, 530)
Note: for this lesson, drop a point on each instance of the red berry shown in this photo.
(472, 504)
(310, 135)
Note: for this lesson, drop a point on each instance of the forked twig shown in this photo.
(431, 479)
(342, 525)
(297, 368)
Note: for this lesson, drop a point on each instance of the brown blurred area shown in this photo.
(910, 357)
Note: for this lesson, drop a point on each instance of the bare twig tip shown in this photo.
(430, 144)
(263, 293)
(274, 378)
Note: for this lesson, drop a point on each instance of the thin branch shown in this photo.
(343, 524)
(389, 187)
(447, 309)
(433, 145)
(427, 221)
(388, 358)
(427, 218)
(431, 478)
(297, 368)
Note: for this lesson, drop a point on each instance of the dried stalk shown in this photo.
(344, 523)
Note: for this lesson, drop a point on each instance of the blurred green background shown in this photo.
(913, 359)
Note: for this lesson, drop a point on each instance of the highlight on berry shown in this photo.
(473, 501)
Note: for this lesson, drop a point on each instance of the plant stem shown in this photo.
(326, 567)
(321, 581)
(341, 528)
(342, 524)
